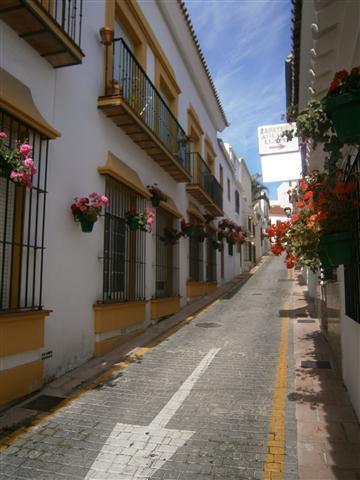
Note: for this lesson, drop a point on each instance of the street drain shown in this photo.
(44, 403)
(306, 321)
(315, 364)
(256, 294)
(208, 325)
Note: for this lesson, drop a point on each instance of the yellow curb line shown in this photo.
(275, 457)
(7, 441)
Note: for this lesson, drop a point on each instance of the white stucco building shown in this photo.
(325, 41)
(115, 113)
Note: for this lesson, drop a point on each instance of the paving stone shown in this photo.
(102, 434)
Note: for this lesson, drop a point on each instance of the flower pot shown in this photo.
(133, 224)
(336, 249)
(155, 201)
(86, 225)
(344, 112)
(107, 36)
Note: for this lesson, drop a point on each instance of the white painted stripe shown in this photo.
(165, 415)
(18, 359)
(149, 447)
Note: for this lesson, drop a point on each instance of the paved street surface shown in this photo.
(207, 402)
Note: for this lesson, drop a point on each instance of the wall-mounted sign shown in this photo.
(280, 159)
(270, 140)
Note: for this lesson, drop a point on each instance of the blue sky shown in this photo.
(245, 43)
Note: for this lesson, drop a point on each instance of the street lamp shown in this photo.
(287, 211)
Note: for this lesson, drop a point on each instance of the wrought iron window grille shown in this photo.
(167, 258)
(22, 223)
(124, 249)
(352, 272)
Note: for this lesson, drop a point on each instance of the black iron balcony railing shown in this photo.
(200, 172)
(216, 192)
(130, 81)
(203, 177)
(68, 14)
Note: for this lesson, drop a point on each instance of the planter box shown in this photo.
(336, 249)
(344, 112)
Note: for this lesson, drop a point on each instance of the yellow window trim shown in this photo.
(194, 124)
(117, 169)
(135, 20)
(209, 146)
(165, 84)
(16, 99)
(195, 212)
(170, 207)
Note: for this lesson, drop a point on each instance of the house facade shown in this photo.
(111, 112)
(325, 41)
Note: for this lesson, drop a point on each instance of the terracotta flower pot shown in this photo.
(107, 35)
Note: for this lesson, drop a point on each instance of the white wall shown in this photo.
(67, 98)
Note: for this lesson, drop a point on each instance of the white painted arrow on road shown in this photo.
(131, 450)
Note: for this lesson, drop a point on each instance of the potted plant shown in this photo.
(187, 228)
(321, 230)
(16, 163)
(208, 218)
(217, 245)
(342, 105)
(156, 195)
(86, 210)
(200, 232)
(170, 236)
(142, 220)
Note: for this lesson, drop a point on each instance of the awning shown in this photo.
(170, 207)
(16, 99)
(117, 169)
(195, 212)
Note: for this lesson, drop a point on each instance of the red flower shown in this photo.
(355, 70)
(335, 84)
(308, 195)
(277, 249)
(271, 231)
(295, 217)
(300, 204)
(341, 75)
(303, 185)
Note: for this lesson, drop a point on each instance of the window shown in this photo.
(210, 256)
(124, 250)
(228, 190)
(230, 249)
(167, 258)
(22, 223)
(196, 257)
(221, 176)
(237, 201)
(352, 272)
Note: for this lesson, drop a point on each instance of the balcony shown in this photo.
(51, 27)
(204, 187)
(133, 103)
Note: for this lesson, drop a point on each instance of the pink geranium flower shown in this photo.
(25, 149)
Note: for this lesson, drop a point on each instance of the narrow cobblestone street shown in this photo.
(195, 406)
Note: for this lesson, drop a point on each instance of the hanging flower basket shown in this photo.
(336, 249)
(86, 225)
(155, 201)
(344, 112)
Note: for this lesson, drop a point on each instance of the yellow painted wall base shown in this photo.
(162, 307)
(21, 332)
(113, 316)
(196, 289)
(109, 344)
(20, 381)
